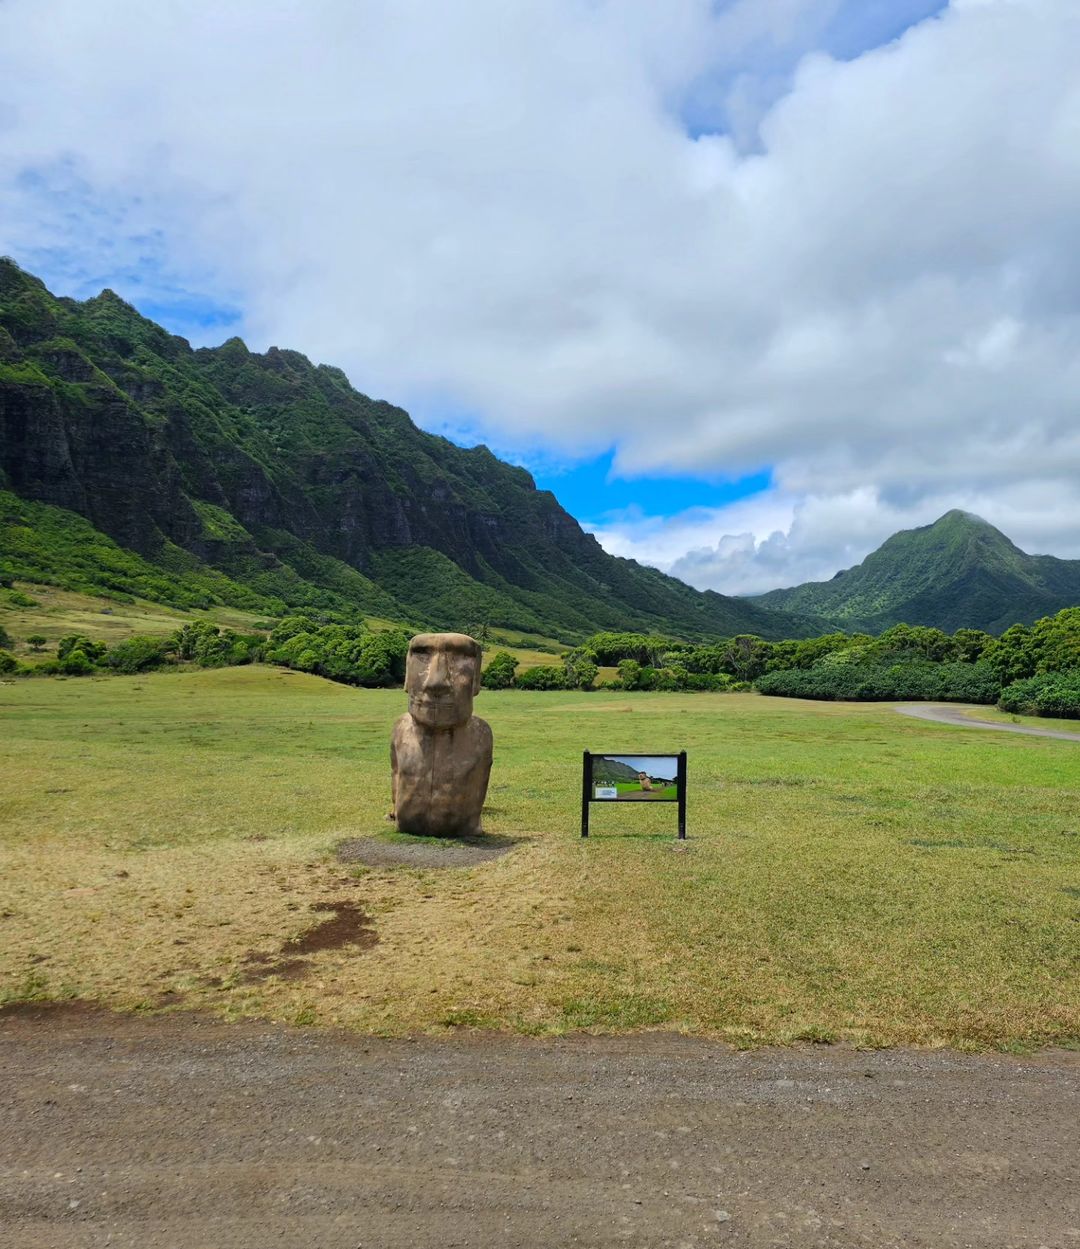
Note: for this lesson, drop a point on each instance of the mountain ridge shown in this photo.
(958, 572)
(270, 482)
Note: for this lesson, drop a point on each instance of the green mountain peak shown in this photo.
(958, 572)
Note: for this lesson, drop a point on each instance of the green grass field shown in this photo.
(1035, 722)
(850, 873)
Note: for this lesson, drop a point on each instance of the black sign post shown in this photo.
(632, 778)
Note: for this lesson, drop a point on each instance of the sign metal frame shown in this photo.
(587, 794)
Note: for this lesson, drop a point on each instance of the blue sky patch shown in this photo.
(590, 492)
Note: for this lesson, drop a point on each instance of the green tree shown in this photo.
(612, 648)
(920, 641)
(709, 660)
(137, 654)
(1048, 694)
(804, 654)
(629, 674)
(37, 641)
(581, 668)
(91, 651)
(209, 646)
(971, 644)
(745, 656)
(76, 663)
(500, 672)
(665, 679)
(349, 653)
(1057, 641)
(1014, 655)
(585, 675)
(543, 677)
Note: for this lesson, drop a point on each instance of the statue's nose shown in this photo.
(437, 676)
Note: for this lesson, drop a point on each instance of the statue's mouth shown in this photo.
(436, 706)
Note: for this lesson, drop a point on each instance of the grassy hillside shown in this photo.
(959, 572)
(31, 609)
(52, 613)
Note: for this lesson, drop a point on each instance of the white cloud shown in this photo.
(778, 539)
(495, 208)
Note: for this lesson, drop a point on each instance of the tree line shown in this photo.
(1034, 669)
(1031, 669)
(350, 653)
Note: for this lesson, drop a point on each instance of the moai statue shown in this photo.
(440, 753)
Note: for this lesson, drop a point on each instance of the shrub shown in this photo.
(91, 651)
(612, 648)
(8, 663)
(865, 682)
(707, 681)
(1051, 694)
(346, 653)
(5, 637)
(544, 677)
(665, 679)
(584, 675)
(968, 683)
(138, 654)
(209, 646)
(499, 674)
(629, 674)
(580, 668)
(76, 663)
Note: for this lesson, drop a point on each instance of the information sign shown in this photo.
(631, 777)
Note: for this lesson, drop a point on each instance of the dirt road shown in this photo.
(955, 713)
(179, 1132)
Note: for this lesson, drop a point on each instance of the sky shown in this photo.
(665, 766)
(750, 284)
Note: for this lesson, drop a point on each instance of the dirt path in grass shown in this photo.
(185, 1133)
(953, 713)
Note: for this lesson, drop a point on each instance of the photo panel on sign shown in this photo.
(635, 778)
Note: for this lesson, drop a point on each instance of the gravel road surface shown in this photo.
(955, 713)
(182, 1132)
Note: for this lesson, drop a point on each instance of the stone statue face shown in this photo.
(442, 675)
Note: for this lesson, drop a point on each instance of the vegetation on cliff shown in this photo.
(134, 465)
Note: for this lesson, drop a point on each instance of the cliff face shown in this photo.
(279, 474)
(87, 449)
